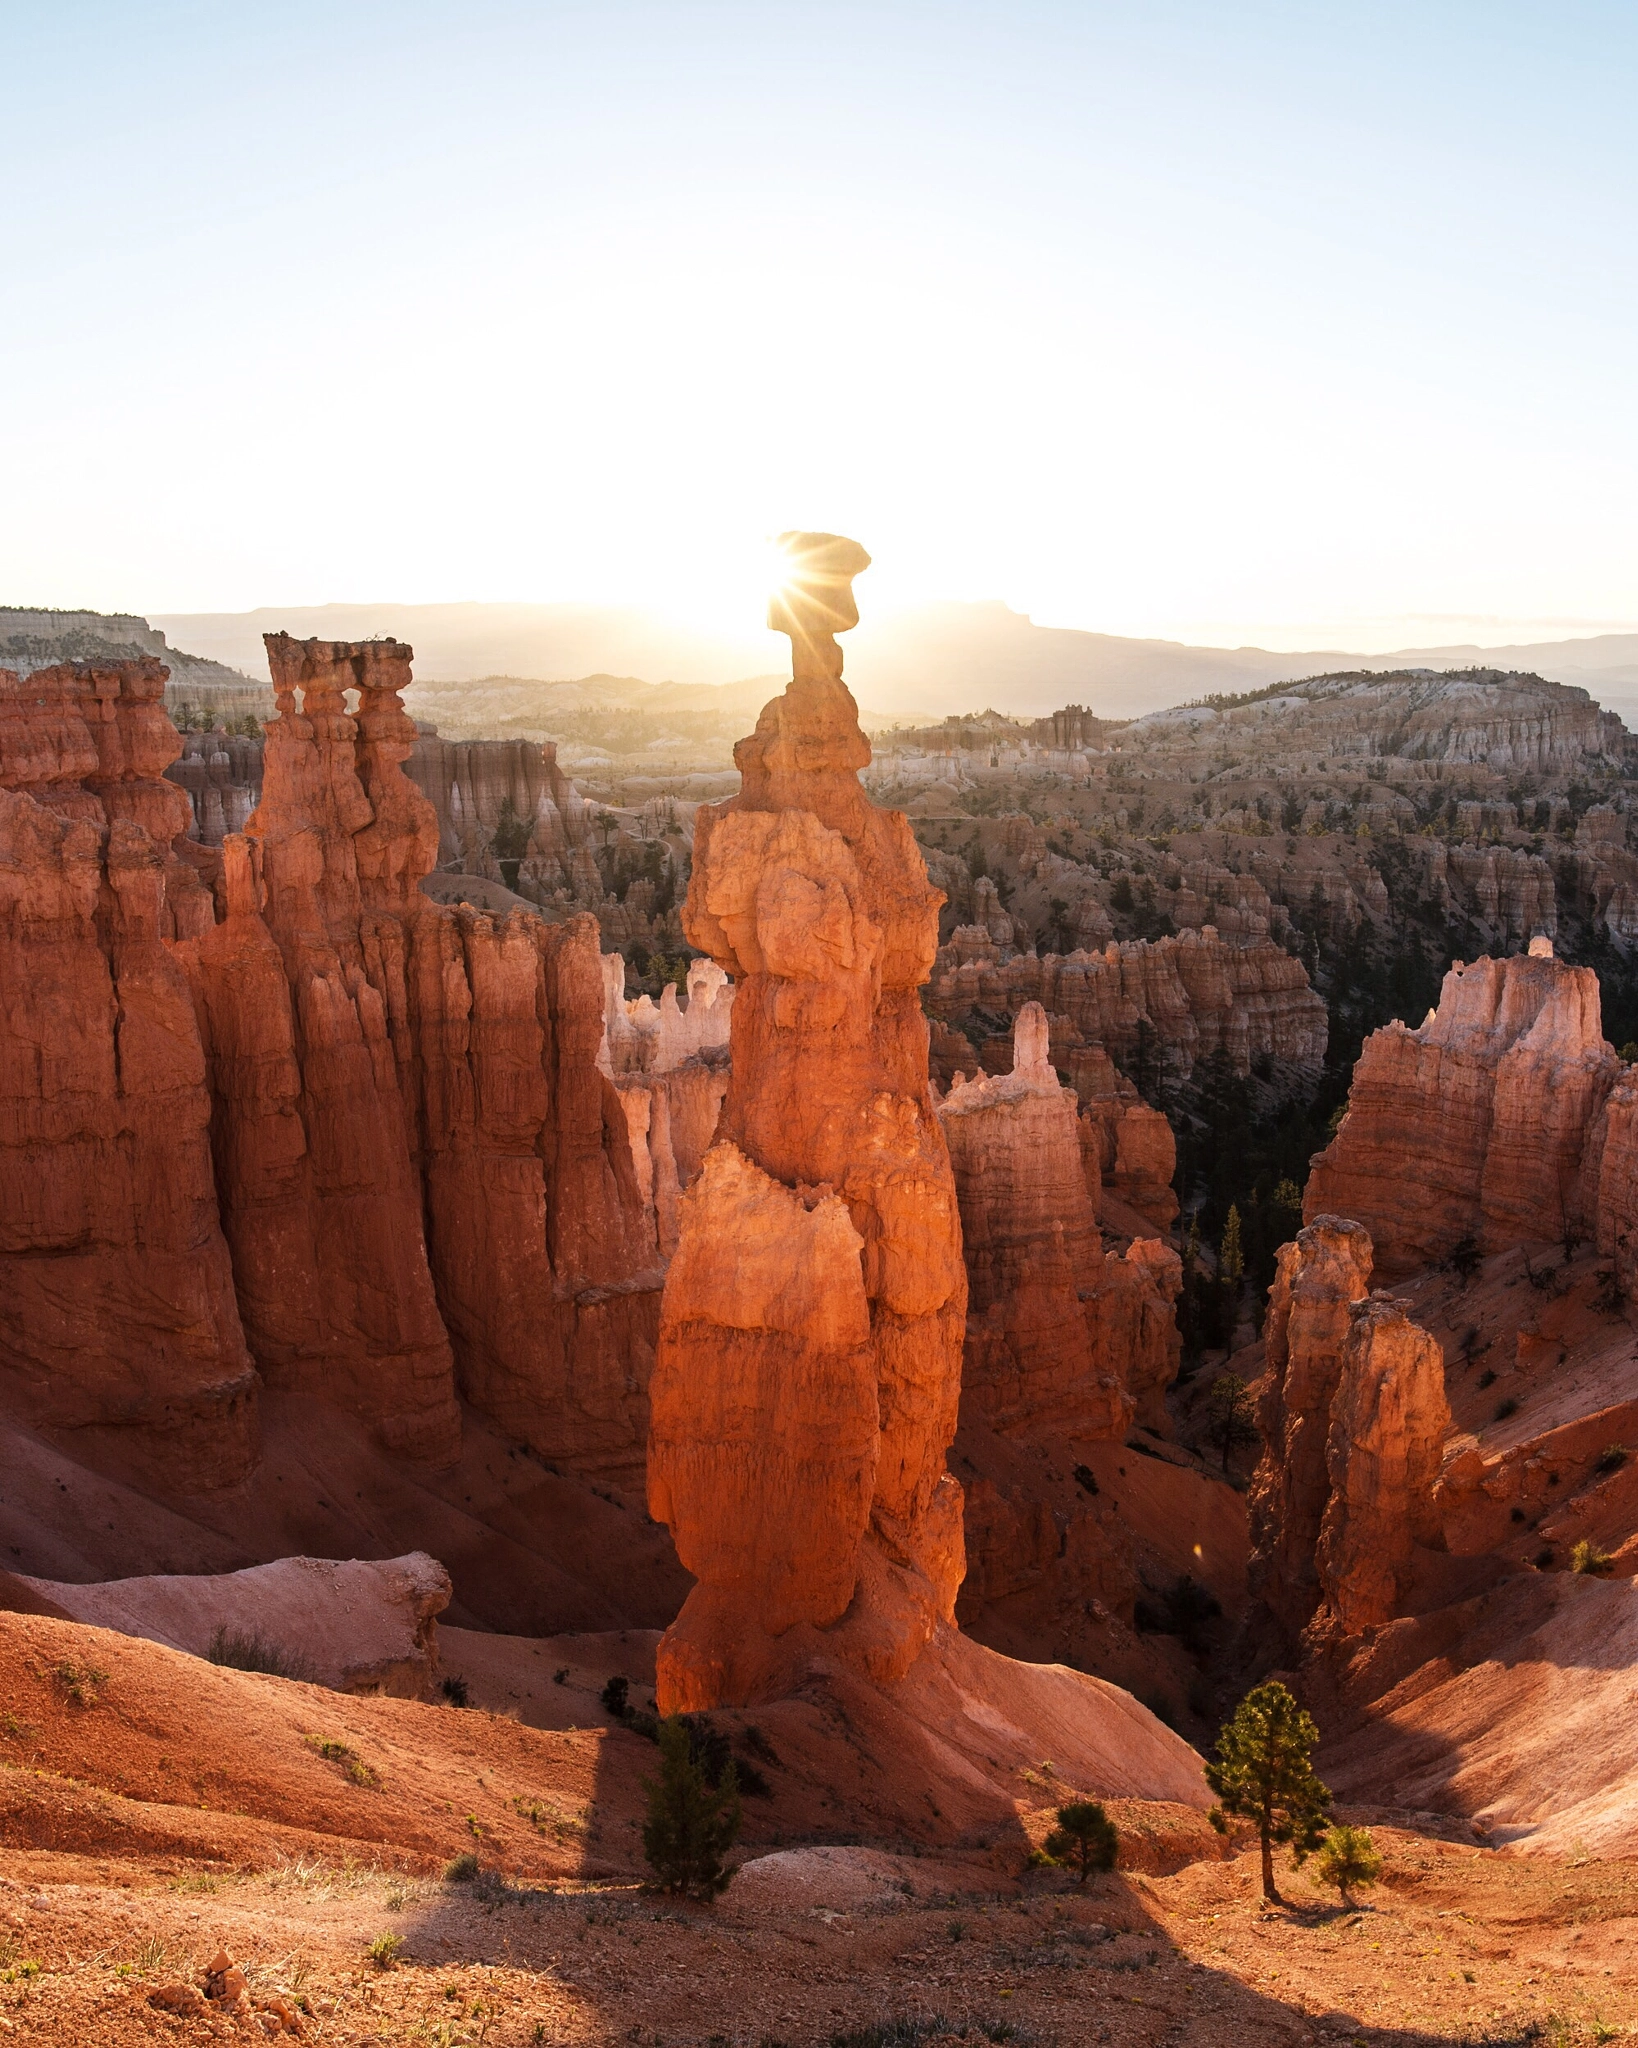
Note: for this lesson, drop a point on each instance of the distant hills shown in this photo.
(915, 664)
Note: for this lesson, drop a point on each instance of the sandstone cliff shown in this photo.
(1492, 1111)
(1354, 1418)
(117, 1305)
(808, 1371)
(1062, 1341)
(267, 1103)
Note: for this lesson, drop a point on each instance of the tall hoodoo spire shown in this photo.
(810, 1344)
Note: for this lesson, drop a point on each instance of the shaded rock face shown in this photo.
(355, 1625)
(1493, 1111)
(266, 1103)
(1061, 1341)
(808, 1372)
(1389, 1421)
(1354, 1418)
(1317, 1280)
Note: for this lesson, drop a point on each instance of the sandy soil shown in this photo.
(157, 1810)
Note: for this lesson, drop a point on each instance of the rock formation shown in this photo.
(1491, 1111)
(117, 1304)
(355, 1625)
(1062, 1341)
(1354, 1418)
(1317, 1280)
(808, 1371)
(1196, 994)
(270, 1107)
(1389, 1421)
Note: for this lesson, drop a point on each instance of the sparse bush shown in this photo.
(1487, 1378)
(456, 1691)
(1347, 1857)
(1085, 1838)
(561, 1677)
(1465, 1259)
(1610, 1459)
(1086, 1479)
(691, 1825)
(244, 1650)
(384, 1950)
(462, 1869)
(614, 1697)
(80, 1682)
(1588, 1559)
(1506, 1408)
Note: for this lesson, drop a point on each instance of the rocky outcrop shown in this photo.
(1317, 1280)
(267, 1103)
(1131, 1146)
(1353, 1418)
(117, 1306)
(1062, 1341)
(353, 1625)
(808, 1371)
(1492, 1111)
(1192, 995)
(1389, 1420)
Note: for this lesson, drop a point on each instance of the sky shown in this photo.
(1237, 322)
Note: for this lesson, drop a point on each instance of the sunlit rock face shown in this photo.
(809, 1362)
(1484, 1124)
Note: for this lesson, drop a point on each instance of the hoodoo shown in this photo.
(809, 1362)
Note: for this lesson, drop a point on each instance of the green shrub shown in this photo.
(1085, 1838)
(462, 1869)
(1586, 1557)
(1347, 1857)
(691, 1825)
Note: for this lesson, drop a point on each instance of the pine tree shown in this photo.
(691, 1826)
(1348, 1857)
(1263, 1773)
(1085, 1835)
(1231, 1264)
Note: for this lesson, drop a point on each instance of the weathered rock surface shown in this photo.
(1062, 1341)
(1195, 994)
(117, 1305)
(808, 1370)
(1354, 1419)
(1318, 1278)
(1389, 1422)
(1491, 1112)
(267, 1102)
(355, 1625)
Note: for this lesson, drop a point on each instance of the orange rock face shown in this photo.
(267, 1103)
(1062, 1341)
(116, 1296)
(1389, 1421)
(808, 1371)
(1354, 1419)
(1317, 1280)
(1490, 1112)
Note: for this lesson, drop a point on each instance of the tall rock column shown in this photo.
(809, 1362)
(1317, 1279)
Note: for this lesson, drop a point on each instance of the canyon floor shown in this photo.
(160, 1809)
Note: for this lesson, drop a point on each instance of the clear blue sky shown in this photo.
(1216, 320)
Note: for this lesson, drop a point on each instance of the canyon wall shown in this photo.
(809, 1362)
(268, 1110)
(1195, 994)
(1493, 1111)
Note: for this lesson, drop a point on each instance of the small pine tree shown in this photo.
(1231, 1263)
(1228, 1413)
(1347, 1857)
(1262, 1773)
(690, 1826)
(1084, 1836)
